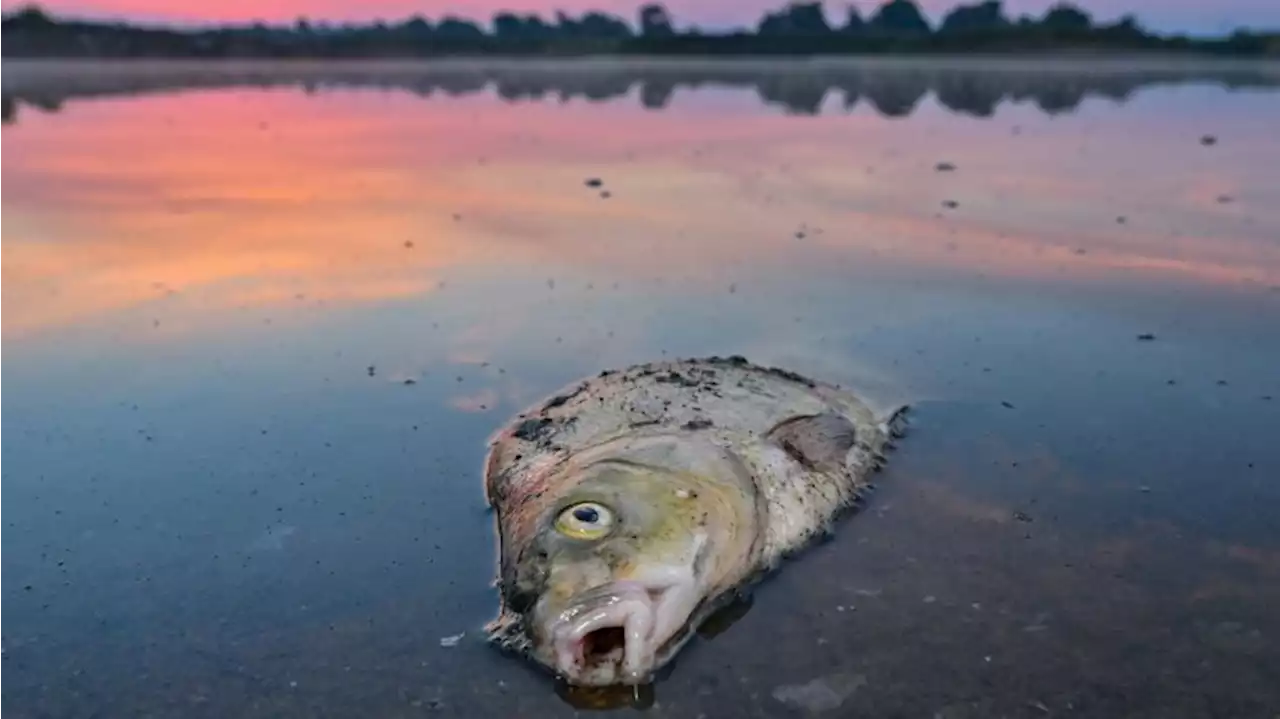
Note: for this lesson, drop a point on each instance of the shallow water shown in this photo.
(261, 320)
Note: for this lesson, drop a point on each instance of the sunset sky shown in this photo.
(1194, 16)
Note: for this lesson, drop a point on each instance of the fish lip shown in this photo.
(629, 605)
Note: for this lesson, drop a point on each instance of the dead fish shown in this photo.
(633, 505)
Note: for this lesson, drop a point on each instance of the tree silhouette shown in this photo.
(1067, 17)
(30, 16)
(800, 18)
(528, 29)
(982, 17)
(602, 26)
(655, 21)
(458, 29)
(853, 22)
(800, 28)
(899, 18)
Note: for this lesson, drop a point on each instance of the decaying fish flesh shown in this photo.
(634, 504)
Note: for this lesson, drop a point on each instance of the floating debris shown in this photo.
(822, 694)
(452, 641)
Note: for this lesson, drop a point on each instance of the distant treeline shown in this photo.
(800, 28)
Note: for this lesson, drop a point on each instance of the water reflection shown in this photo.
(287, 200)
(262, 319)
(894, 88)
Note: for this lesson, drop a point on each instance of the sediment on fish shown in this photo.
(630, 505)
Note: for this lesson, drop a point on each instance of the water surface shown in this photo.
(262, 319)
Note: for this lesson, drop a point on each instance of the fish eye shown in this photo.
(585, 520)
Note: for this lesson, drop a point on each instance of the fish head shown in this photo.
(624, 563)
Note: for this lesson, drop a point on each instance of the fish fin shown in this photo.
(819, 442)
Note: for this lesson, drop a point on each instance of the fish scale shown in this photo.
(807, 449)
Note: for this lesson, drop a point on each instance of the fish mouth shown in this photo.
(613, 633)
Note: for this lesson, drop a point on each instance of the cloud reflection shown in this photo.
(250, 194)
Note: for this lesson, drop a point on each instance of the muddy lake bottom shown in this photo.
(263, 318)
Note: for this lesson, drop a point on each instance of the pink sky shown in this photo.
(1188, 15)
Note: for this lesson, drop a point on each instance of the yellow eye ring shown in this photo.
(585, 520)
